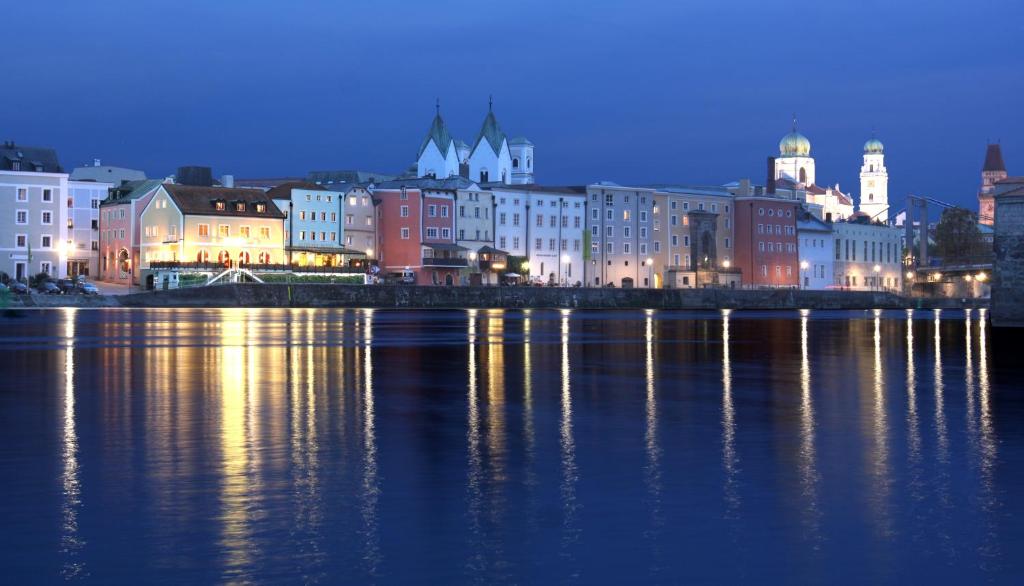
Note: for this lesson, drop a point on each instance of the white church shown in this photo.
(794, 172)
(493, 158)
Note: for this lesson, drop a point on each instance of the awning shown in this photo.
(327, 250)
(445, 246)
(491, 250)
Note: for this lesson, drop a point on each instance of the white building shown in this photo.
(544, 225)
(313, 232)
(795, 175)
(100, 173)
(492, 158)
(816, 247)
(33, 212)
(620, 222)
(874, 182)
(867, 256)
(83, 236)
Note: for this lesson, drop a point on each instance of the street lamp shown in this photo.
(565, 261)
(650, 272)
(877, 269)
(803, 267)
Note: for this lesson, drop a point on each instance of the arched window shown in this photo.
(871, 168)
(529, 162)
(483, 176)
(515, 163)
(871, 197)
(203, 256)
(264, 258)
(243, 258)
(803, 175)
(224, 258)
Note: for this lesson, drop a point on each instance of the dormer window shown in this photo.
(261, 207)
(239, 206)
(219, 205)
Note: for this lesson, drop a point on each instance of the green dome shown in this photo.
(873, 146)
(794, 144)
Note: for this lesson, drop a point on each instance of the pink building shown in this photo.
(119, 231)
(416, 231)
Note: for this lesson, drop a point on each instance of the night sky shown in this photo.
(638, 91)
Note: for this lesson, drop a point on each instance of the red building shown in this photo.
(416, 232)
(766, 241)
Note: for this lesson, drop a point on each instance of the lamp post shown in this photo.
(565, 261)
(650, 272)
(877, 269)
(803, 267)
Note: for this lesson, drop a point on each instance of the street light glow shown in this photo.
(804, 264)
(565, 258)
(877, 268)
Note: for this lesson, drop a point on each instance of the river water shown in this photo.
(204, 446)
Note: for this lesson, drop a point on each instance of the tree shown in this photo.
(957, 237)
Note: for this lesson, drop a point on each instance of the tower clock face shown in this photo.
(871, 183)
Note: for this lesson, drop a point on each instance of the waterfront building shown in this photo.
(314, 233)
(544, 228)
(766, 240)
(416, 231)
(992, 172)
(120, 251)
(620, 221)
(83, 227)
(492, 158)
(360, 226)
(101, 173)
(33, 192)
(692, 237)
(867, 256)
(229, 226)
(874, 182)
(474, 219)
(793, 175)
(815, 246)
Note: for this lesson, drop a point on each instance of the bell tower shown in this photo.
(874, 182)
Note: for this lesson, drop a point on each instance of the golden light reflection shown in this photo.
(653, 468)
(729, 459)
(969, 411)
(940, 416)
(474, 478)
(988, 439)
(913, 431)
(71, 491)
(496, 444)
(880, 435)
(570, 474)
(808, 464)
(529, 438)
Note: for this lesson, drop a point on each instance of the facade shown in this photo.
(83, 238)
(621, 225)
(992, 172)
(101, 173)
(416, 231)
(314, 230)
(360, 228)
(474, 219)
(492, 158)
(867, 256)
(544, 226)
(874, 182)
(793, 175)
(120, 252)
(766, 241)
(693, 237)
(815, 244)
(33, 212)
(228, 226)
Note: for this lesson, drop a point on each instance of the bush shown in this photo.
(330, 279)
(38, 279)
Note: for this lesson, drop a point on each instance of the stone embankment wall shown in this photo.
(310, 295)
(1008, 269)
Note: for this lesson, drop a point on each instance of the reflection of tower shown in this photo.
(795, 162)
(994, 170)
(874, 182)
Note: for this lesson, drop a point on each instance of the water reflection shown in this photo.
(371, 484)
(71, 542)
(940, 416)
(808, 466)
(729, 459)
(653, 451)
(913, 427)
(880, 440)
(570, 475)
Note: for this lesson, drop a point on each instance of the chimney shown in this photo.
(771, 176)
(96, 163)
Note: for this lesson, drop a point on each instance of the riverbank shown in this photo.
(404, 296)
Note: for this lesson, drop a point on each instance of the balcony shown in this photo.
(437, 261)
(254, 267)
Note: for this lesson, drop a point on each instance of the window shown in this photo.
(625, 215)
(515, 219)
(444, 211)
(21, 217)
(760, 211)
(220, 206)
(515, 242)
(657, 246)
(538, 244)
(47, 218)
(502, 242)
(46, 241)
(21, 241)
(369, 221)
(594, 214)
(446, 233)
(643, 216)
(609, 231)
(643, 248)
(686, 240)
(675, 241)
(349, 219)
(265, 232)
(626, 232)
(244, 231)
(223, 230)
(540, 220)
(576, 222)
(261, 207)
(239, 206)
(351, 200)
(403, 211)
(643, 232)
(432, 232)
(727, 243)
(405, 233)
(553, 222)
(404, 195)
(501, 219)
(760, 246)
(22, 194)
(204, 230)
(334, 216)
(432, 211)
(625, 248)
(47, 195)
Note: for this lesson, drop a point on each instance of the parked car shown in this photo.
(67, 286)
(18, 287)
(87, 288)
(48, 288)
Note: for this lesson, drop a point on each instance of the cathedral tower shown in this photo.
(993, 170)
(795, 162)
(874, 182)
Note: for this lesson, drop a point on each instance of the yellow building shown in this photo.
(226, 226)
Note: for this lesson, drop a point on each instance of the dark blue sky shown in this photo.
(634, 91)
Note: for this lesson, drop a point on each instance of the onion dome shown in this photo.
(794, 144)
(873, 147)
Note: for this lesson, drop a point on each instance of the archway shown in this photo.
(123, 266)
(203, 256)
(448, 279)
(243, 258)
(224, 258)
(803, 175)
(264, 258)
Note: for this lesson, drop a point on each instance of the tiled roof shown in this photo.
(284, 191)
(994, 159)
(491, 132)
(30, 159)
(131, 190)
(439, 134)
(194, 200)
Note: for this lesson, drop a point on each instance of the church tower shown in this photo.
(437, 156)
(994, 170)
(795, 162)
(874, 182)
(490, 161)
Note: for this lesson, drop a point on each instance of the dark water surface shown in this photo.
(201, 446)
